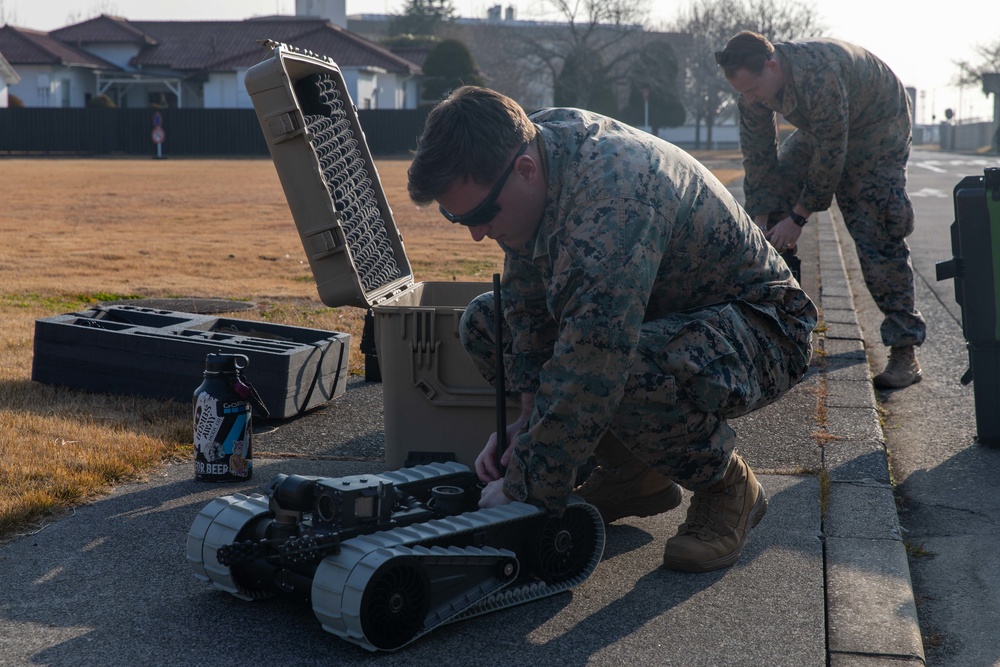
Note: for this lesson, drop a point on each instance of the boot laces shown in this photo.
(705, 514)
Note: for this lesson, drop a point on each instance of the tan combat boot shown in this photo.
(718, 522)
(621, 485)
(901, 371)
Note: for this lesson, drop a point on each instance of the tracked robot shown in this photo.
(384, 559)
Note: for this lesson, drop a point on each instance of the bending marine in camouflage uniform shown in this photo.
(853, 140)
(642, 310)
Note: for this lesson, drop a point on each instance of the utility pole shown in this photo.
(645, 104)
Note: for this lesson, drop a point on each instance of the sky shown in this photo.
(920, 45)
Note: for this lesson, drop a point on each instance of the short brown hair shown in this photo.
(746, 50)
(469, 134)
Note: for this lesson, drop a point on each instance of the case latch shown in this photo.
(283, 125)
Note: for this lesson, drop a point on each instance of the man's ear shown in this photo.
(526, 167)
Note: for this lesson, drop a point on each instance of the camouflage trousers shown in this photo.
(878, 214)
(691, 372)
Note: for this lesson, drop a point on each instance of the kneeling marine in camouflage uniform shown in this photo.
(642, 310)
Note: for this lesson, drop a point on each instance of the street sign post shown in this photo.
(158, 135)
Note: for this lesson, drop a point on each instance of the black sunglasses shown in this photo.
(736, 58)
(487, 209)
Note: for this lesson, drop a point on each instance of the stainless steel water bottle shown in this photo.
(222, 422)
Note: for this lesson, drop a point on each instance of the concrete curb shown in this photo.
(871, 611)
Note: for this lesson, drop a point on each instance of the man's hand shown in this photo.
(493, 495)
(783, 235)
(486, 462)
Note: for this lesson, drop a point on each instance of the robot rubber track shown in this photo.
(384, 559)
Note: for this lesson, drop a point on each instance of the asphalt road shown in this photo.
(946, 483)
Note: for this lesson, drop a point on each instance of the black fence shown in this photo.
(187, 132)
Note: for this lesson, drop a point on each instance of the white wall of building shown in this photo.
(53, 87)
(402, 92)
(966, 136)
(334, 11)
(351, 82)
(119, 54)
(366, 88)
(226, 90)
(723, 136)
(8, 77)
(408, 94)
(377, 89)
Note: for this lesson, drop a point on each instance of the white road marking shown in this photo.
(928, 192)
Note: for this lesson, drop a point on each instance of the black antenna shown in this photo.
(501, 378)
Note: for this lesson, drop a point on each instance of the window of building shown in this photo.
(163, 100)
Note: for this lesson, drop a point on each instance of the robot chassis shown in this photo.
(385, 558)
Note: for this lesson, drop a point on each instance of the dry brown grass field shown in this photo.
(77, 232)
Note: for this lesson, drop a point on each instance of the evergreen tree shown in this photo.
(583, 83)
(422, 17)
(449, 65)
(655, 71)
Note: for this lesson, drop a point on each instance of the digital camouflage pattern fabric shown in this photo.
(649, 304)
(852, 142)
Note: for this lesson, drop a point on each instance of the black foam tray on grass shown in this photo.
(161, 354)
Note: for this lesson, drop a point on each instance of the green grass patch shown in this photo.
(472, 270)
(61, 302)
(916, 550)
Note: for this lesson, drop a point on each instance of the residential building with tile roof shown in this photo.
(7, 77)
(191, 64)
(53, 73)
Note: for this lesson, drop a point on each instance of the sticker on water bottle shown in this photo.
(239, 464)
(207, 422)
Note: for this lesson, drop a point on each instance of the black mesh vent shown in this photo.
(347, 180)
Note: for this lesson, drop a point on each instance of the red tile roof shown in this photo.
(225, 45)
(104, 28)
(21, 46)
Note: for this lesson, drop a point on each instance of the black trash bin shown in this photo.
(975, 266)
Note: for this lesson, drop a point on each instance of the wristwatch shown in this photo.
(798, 219)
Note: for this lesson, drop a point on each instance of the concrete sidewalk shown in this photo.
(824, 580)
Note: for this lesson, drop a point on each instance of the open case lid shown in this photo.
(326, 170)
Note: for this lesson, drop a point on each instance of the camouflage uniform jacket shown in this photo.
(850, 103)
(634, 229)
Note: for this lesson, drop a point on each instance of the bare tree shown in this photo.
(596, 38)
(706, 92)
(96, 9)
(781, 20)
(711, 23)
(987, 62)
(527, 59)
(7, 15)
